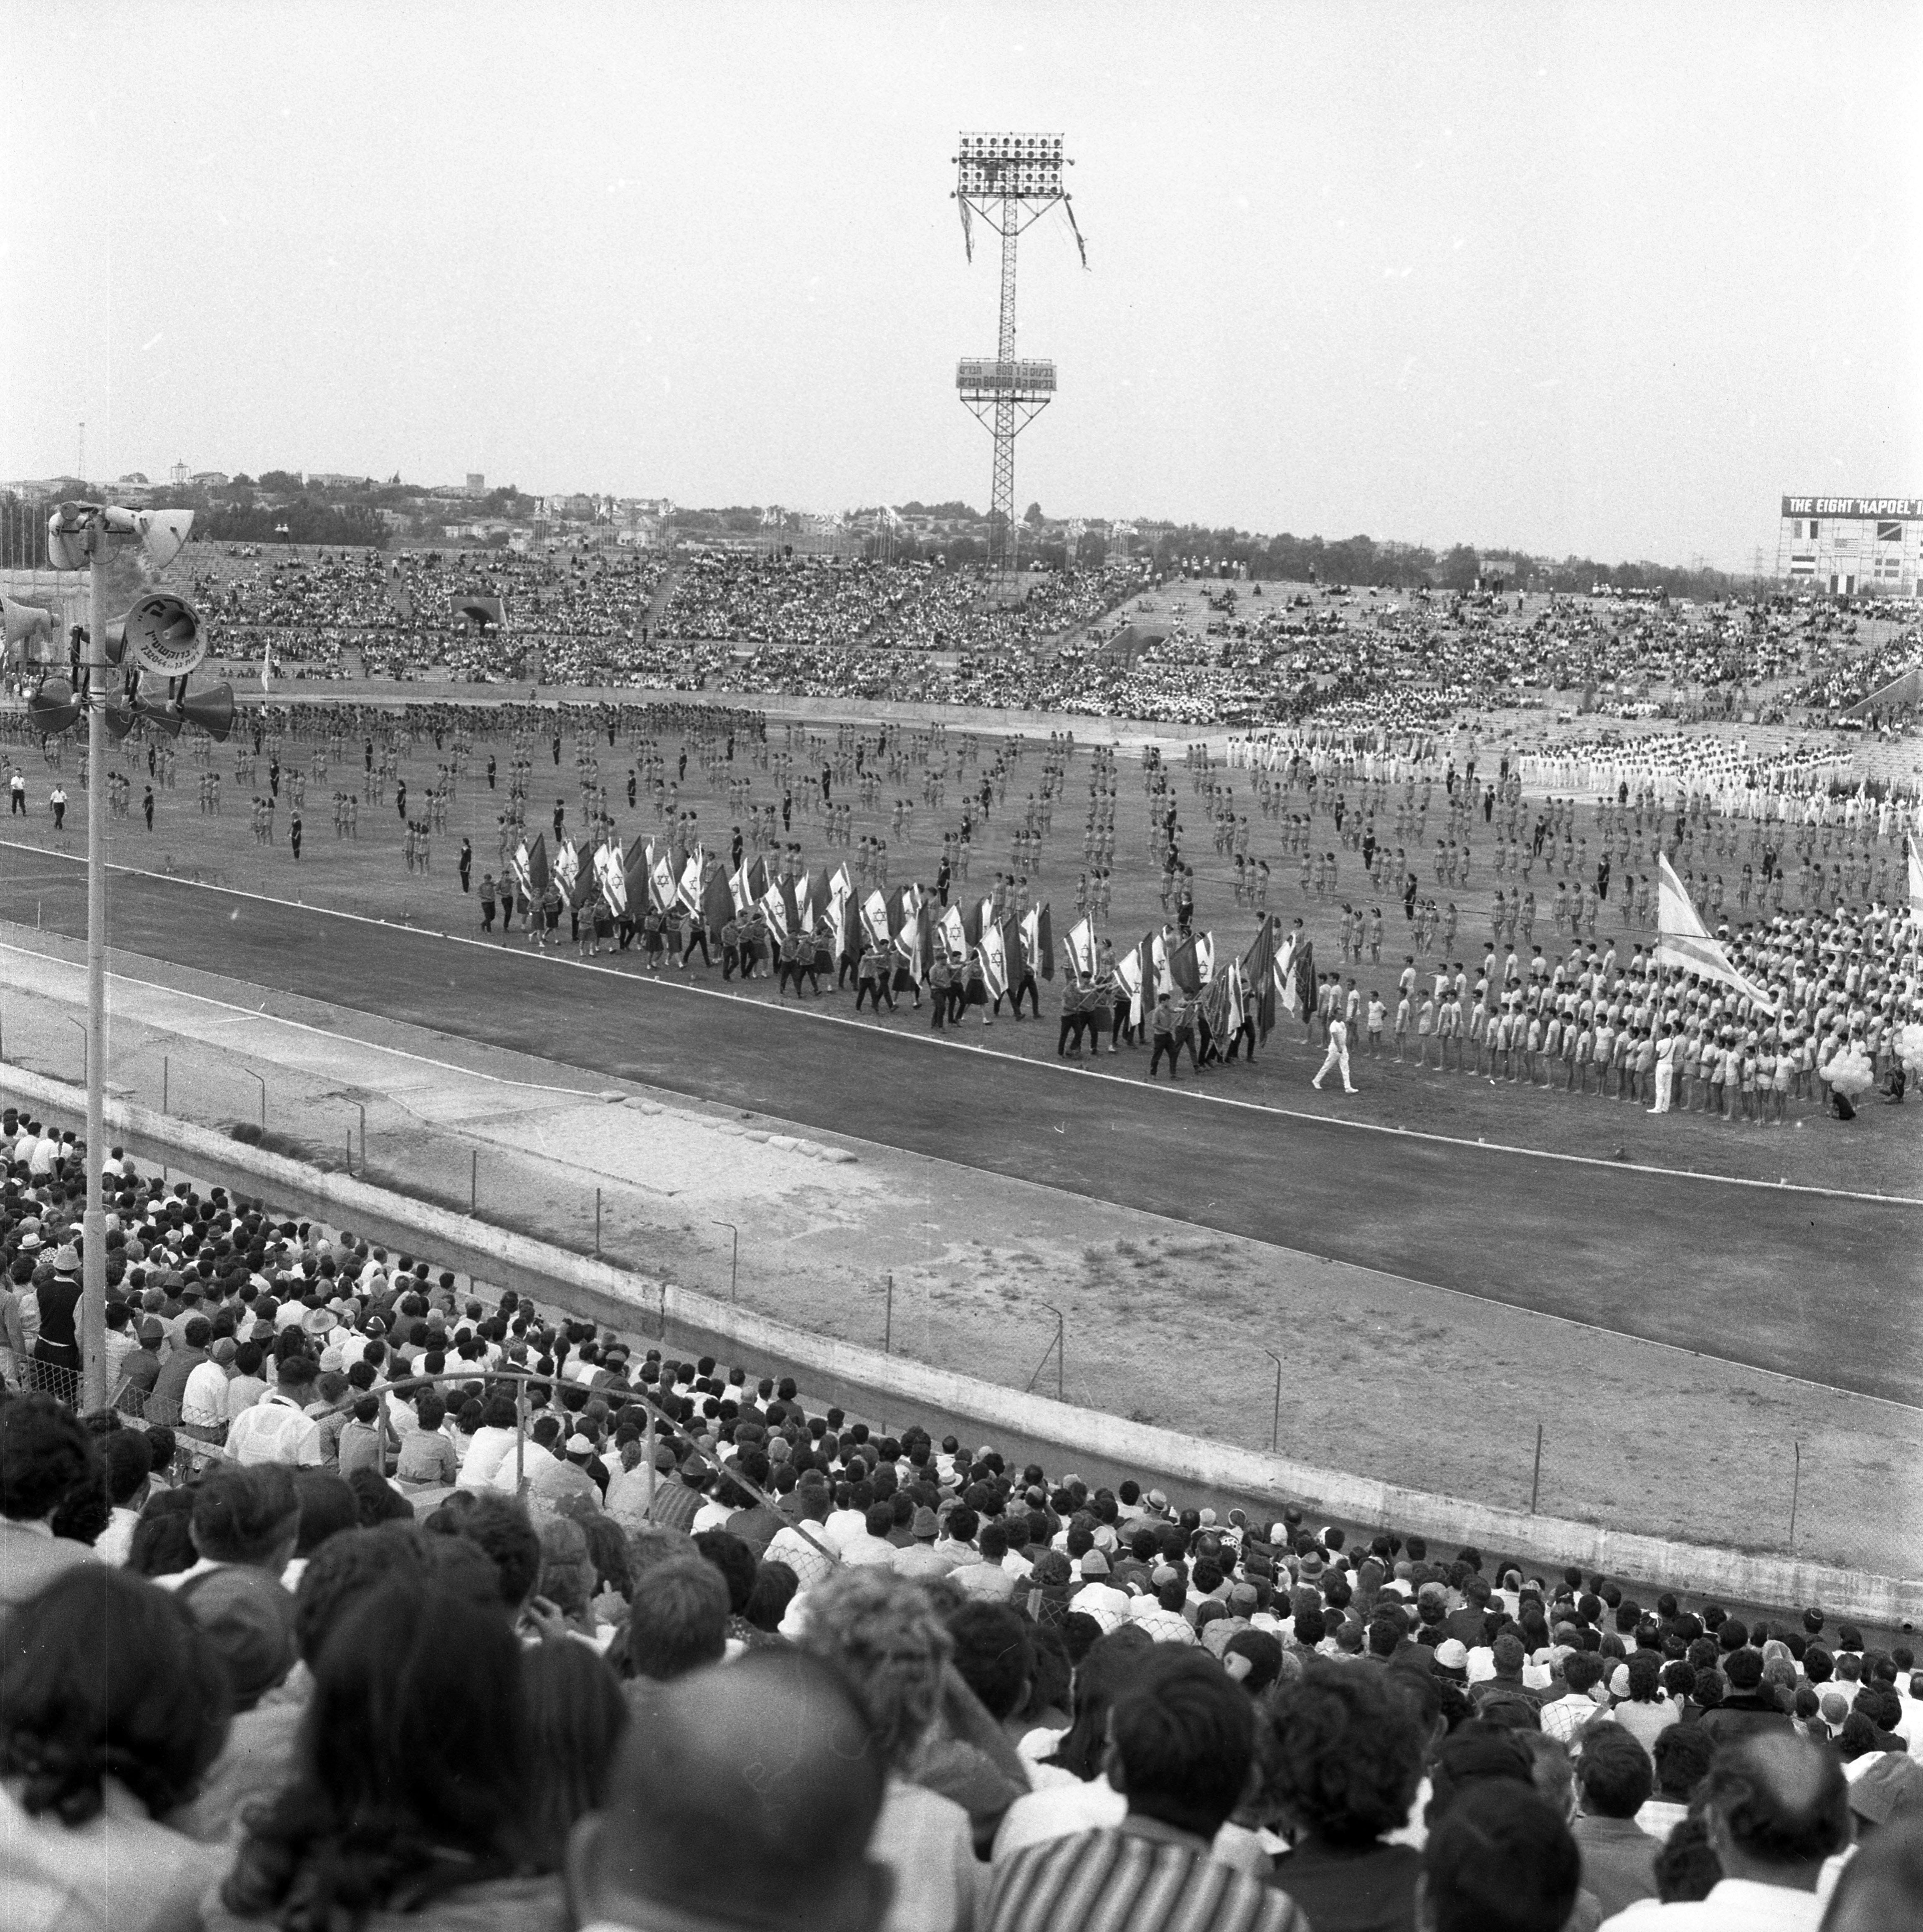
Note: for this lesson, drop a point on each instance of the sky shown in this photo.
(1574, 278)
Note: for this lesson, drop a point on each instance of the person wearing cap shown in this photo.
(1097, 1597)
(58, 1348)
(142, 1369)
(562, 1478)
(920, 1559)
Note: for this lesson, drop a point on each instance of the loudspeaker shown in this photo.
(26, 624)
(163, 718)
(162, 534)
(53, 708)
(163, 634)
(211, 710)
(118, 714)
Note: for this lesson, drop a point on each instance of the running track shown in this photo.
(1812, 1286)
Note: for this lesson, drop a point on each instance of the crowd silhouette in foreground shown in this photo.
(367, 1601)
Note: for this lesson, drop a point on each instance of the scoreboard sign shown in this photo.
(1903, 509)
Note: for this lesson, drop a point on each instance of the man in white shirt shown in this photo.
(276, 1428)
(844, 1524)
(1776, 1807)
(1098, 1597)
(203, 1403)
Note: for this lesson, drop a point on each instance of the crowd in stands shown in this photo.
(740, 620)
(367, 1601)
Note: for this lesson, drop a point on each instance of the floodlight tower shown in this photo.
(1010, 180)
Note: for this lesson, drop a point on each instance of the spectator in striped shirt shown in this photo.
(1181, 1743)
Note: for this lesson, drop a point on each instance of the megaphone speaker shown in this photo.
(117, 715)
(116, 641)
(211, 710)
(162, 533)
(163, 634)
(27, 624)
(53, 708)
(163, 718)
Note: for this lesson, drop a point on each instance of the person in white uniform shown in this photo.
(1337, 1055)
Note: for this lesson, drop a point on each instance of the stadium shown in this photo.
(1234, 1216)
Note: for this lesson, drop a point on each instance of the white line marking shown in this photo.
(928, 1038)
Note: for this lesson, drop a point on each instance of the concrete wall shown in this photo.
(874, 1384)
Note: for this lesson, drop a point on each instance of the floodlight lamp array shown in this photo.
(1029, 166)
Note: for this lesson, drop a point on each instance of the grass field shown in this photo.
(1179, 1229)
(1878, 1154)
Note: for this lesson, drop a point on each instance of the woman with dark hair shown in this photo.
(775, 1586)
(491, 1445)
(410, 1799)
(576, 1714)
(163, 1541)
(1343, 1759)
(113, 1705)
(1643, 1711)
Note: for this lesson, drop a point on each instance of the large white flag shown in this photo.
(1081, 947)
(1683, 940)
(1128, 974)
(612, 877)
(994, 962)
(1916, 878)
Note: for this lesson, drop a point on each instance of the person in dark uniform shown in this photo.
(871, 980)
(560, 817)
(56, 1353)
(603, 922)
(941, 881)
(790, 964)
(977, 994)
(754, 944)
(294, 837)
(400, 800)
(147, 808)
(1074, 1019)
(1187, 1012)
(491, 775)
(1162, 1030)
(631, 788)
(1027, 985)
(818, 958)
(694, 933)
(467, 862)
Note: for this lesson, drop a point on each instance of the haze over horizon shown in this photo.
(1556, 281)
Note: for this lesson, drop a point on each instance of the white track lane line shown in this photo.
(928, 1039)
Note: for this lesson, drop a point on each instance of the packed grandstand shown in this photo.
(1089, 640)
(422, 1599)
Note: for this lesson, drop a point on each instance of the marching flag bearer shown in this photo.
(1337, 1056)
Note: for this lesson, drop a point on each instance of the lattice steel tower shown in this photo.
(1010, 180)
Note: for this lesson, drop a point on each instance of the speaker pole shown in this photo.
(93, 1279)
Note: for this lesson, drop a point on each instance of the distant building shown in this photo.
(477, 483)
(1847, 545)
(210, 479)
